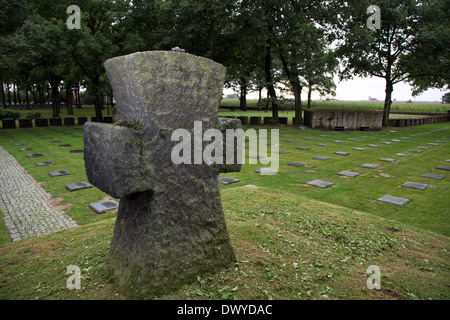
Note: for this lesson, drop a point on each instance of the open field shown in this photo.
(292, 240)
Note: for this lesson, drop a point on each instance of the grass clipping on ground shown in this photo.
(287, 247)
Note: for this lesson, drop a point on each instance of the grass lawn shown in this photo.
(292, 241)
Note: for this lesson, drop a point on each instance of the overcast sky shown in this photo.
(363, 88)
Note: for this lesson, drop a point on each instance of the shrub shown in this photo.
(5, 114)
(34, 115)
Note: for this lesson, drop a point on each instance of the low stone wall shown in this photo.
(344, 119)
(45, 122)
(406, 122)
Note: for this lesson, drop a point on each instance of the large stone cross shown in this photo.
(170, 226)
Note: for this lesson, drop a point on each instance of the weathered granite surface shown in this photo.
(170, 225)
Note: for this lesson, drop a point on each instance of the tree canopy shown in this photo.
(263, 43)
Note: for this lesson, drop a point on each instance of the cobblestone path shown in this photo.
(24, 204)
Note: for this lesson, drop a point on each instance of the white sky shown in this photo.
(363, 88)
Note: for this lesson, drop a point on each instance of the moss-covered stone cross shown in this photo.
(170, 226)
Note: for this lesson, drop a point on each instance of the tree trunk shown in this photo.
(69, 98)
(3, 97)
(14, 94)
(387, 101)
(27, 98)
(78, 97)
(55, 98)
(18, 96)
(260, 97)
(243, 95)
(309, 95)
(98, 104)
(297, 88)
(269, 81)
(9, 95)
(33, 93)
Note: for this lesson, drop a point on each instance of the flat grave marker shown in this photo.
(320, 183)
(34, 155)
(77, 186)
(266, 171)
(43, 164)
(227, 180)
(104, 206)
(321, 158)
(350, 174)
(387, 159)
(58, 173)
(433, 176)
(296, 164)
(394, 200)
(369, 166)
(442, 168)
(415, 185)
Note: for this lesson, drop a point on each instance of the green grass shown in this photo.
(292, 241)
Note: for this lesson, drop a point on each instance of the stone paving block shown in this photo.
(415, 185)
(303, 148)
(349, 174)
(321, 158)
(308, 138)
(402, 155)
(283, 152)
(394, 200)
(102, 207)
(338, 141)
(322, 144)
(296, 164)
(369, 166)
(385, 142)
(27, 212)
(352, 139)
(359, 149)
(432, 144)
(227, 180)
(26, 149)
(78, 186)
(320, 183)
(396, 140)
(58, 173)
(424, 148)
(432, 176)
(442, 168)
(414, 150)
(373, 145)
(342, 153)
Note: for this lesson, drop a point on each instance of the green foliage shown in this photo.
(9, 114)
(33, 115)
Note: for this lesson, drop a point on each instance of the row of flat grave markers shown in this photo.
(99, 207)
(350, 174)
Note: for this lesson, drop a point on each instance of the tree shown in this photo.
(429, 65)
(12, 16)
(378, 53)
